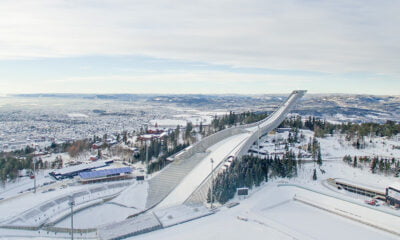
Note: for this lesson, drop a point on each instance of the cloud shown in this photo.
(167, 82)
(326, 36)
(189, 77)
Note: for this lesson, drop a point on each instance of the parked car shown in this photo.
(372, 202)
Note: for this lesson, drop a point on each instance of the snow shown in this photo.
(19, 234)
(77, 115)
(168, 122)
(134, 196)
(99, 215)
(129, 227)
(22, 184)
(34, 209)
(334, 147)
(271, 212)
(313, 223)
(181, 213)
(357, 212)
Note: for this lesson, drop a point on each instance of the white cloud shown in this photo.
(178, 82)
(327, 36)
(194, 76)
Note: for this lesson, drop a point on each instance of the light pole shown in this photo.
(258, 141)
(71, 203)
(212, 182)
(147, 158)
(34, 175)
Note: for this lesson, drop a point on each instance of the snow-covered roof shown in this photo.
(80, 167)
(395, 185)
(349, 182)
(105, 172)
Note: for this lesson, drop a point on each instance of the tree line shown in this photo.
(379, 165)
(322, 127)
(250, 171)
(232, 118)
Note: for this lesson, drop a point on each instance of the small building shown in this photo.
(148, 137)
(72, 171)
(393, 196)
(358, 188)
(97, 145)
(282, 130)
(155, 131)
(397, 137)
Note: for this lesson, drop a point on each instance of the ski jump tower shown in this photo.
(188, 178)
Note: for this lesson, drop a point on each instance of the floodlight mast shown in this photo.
(147, 157)
(147, 152)
(34, 174)
(71, 203)
(258, 141)
(212, 182)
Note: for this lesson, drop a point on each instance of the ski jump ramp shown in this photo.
(187, 179)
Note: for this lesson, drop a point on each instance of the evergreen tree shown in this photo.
(355, 162)
(319, 159)
(314, 177)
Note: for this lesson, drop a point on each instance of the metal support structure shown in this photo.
(212, 182)
(71, 203)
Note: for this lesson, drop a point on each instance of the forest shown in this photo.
(250, 171)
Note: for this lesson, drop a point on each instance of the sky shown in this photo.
(208, 47)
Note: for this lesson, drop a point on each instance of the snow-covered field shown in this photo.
(97, 216)
(336, 147)
(270, 213)
(134, 196)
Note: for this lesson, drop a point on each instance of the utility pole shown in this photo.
(71, 203)
(212, 183)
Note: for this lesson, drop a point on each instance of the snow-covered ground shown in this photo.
(337, 147)
(194, 116)
(96, 216)
(181, 213)
(270, 212)
(134, 196)
(31, 209)
(24, 184)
